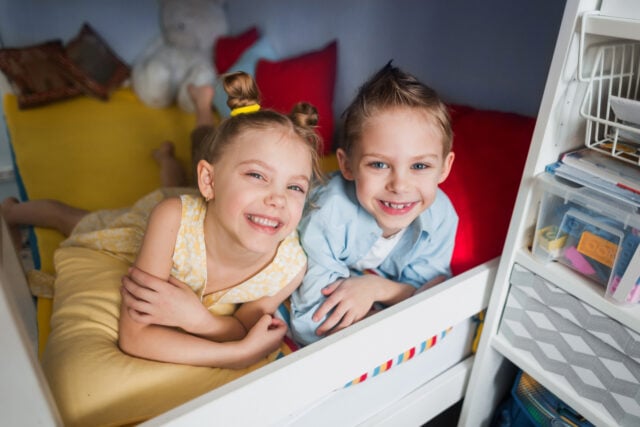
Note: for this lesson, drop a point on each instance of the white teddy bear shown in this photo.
(183, 54)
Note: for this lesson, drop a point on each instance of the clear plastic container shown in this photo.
(595, 235)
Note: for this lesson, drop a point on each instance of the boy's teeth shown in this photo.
(263, 221)
(396, 205)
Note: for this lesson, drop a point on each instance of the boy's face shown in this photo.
(397, 166)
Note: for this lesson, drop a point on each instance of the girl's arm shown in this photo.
(163, 343)
(151, 300)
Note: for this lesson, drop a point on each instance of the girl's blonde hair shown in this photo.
(242, 91)
(391, 88)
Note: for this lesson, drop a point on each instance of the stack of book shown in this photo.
(600, 172)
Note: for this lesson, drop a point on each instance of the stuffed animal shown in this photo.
(183, 53)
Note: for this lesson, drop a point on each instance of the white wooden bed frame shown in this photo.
(271, 394)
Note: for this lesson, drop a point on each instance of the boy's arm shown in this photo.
(322, 246)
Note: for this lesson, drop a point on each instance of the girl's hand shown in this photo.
(350, 299)
(263, 338)
(150, 300)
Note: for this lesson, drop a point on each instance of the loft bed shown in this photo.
(405, 365)
(426, 340)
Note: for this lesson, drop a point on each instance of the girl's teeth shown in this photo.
(263, 221)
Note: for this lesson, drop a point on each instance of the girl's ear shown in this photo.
(446, 167)
(344, 164)
(205, 179)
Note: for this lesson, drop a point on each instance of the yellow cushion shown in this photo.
(92, 381)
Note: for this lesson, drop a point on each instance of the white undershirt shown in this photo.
(379, 251)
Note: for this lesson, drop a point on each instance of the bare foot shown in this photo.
(14, 228)
(202, 97)
(171, 173)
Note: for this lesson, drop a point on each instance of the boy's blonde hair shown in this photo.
(390, 88)
(242, 92)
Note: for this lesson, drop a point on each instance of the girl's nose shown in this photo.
(276, 199)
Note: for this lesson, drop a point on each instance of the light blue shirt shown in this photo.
(337, 232)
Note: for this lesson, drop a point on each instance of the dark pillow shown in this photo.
(92, 63)
(37, 77)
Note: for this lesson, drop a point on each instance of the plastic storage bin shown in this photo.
(595, 235)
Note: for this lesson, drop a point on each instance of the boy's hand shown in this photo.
(151, 300)
(350, 299)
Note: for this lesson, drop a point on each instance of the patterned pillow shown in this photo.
(36, 76)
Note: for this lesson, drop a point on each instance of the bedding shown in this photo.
(87, 140)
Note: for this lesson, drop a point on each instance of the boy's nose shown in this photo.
(398, 182)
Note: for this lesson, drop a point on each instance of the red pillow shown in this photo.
(228, 49)
(491, 149)
(308, 77)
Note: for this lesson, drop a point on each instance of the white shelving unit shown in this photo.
(560, 127)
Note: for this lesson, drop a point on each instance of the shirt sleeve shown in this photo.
(324, 246)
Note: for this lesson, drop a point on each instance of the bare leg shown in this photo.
(171, 172)
(44, 213)
(202, 97)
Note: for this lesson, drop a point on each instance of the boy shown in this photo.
(381, 230)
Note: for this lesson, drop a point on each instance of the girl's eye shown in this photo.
(255, 175)
(378, 165)
(297, 188)
(419, 166)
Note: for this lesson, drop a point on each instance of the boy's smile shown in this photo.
(397, 165)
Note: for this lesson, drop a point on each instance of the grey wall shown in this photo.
(490, 54)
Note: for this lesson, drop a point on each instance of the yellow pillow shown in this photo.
(93, 382)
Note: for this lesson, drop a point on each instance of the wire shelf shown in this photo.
(611, 104)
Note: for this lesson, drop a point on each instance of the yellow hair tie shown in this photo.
(247, 109)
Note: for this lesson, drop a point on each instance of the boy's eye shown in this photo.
(420, 166)
(378, 165)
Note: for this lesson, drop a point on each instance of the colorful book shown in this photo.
(615, 171)
(591, 181)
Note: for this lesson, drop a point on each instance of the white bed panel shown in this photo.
(358, 403)
(25, 398)
(278, 391)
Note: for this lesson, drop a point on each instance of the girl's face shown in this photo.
(259, 188)
(397, 166)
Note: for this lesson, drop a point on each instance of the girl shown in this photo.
(231, 251)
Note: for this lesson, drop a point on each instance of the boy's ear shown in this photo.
(446, 167)
(205, 176)
(344, 164)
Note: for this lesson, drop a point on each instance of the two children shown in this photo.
(381, 229)
(376, 233)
